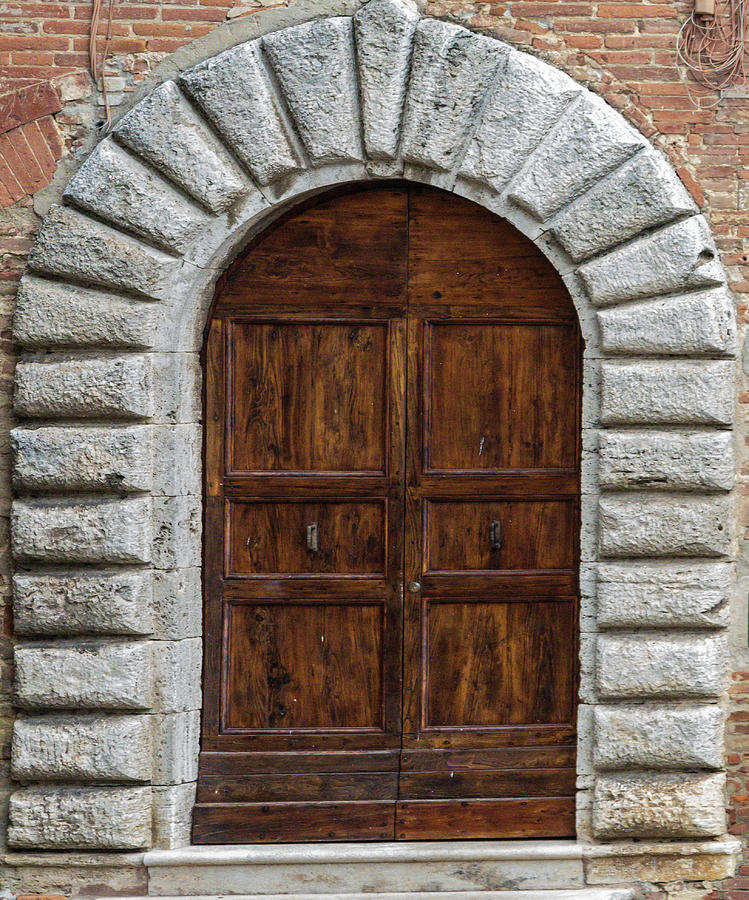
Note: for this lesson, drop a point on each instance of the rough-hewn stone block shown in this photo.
(172, 810)
(314, 64)
(677, 392)
(82, 602)
(177, 667)
(85, 387)
(451, 72)
(233, 91)
(678, 257)
(164, 129)
(84, 818)
(667, 594)
(639, 666)
(384, 32)
(659, 806)
(86, 675)
(86, 531)
(695, 460)
(591, 141)
(696, 324)
(176, 743)
(82, 459)
(674, 525)
(177, 532)
(183, 445)
(82, 748)
(115, 186)
(177, 603)
(644, 193)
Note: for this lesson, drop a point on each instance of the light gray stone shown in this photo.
(697, 324)
(235, 94)
(659, 806)
(82, 602)
(177, 532)
(658, 736)
(52, 314)
(177, 603)
(82, 748)
(384, 31)
(75, 246)
(314, 64)
(664, 525)
(81, 818)
(57, 387)
(678, 257)
(176, 675)
(66, 458)
(591, 141)
(176, 742)
(528, 98)
(644, 193)
(640, 666)
(85, 675)
(676, 392)
(451, 73)
(666, 460)
(182, 445)
(83, 531)
(164, 129)
(172, 811)
(663, 595)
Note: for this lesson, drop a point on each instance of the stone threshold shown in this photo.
(582, 894)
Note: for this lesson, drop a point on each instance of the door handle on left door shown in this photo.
(312, 539)
(495, 534)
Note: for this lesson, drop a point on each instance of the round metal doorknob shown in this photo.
(414, 587)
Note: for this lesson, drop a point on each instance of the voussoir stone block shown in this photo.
(84, 531)
(80, 818)
(664, 525)
(56, 458)
(697, 324)
(451, 72)
(658, 736)
(57, 387)
(667, 460)
(679, 257)
(641, 805)
(85, 675)
(165, 130)
(643, 193)
(52, 314)
(663, 595)
(82, 602)
(82, 748)
(675, 392)
(314, 64)
(639, 666)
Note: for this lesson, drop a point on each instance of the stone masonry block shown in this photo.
(639, 666)
(117, 187)
(658, 736)
(644, 193)
(591, 141)
(384, 31)
(177, 668)
(85, 675)
(663, 595)
(165, 130)
(80, 818)
(698, 324)
(314, 64)
(83, 602)
(678, 257)
(69, 458)
(666, 460)
(60, 387)
(176, 739)
(85, 531)
(664, 525)
(177, 532)
(183, 444)
(172, 811)
(58, 315)
(235, 94)
(659, 806)
(82, 748)
(676, 392)
(177, 603)
(451, 73)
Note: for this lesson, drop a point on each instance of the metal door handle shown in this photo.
(312, 541)
(495, 534)
(414, 587)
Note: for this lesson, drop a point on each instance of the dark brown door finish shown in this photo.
(391, 530)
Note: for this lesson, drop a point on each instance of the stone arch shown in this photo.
(106, 524)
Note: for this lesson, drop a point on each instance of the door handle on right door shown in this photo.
(414, 587)
(495, 534)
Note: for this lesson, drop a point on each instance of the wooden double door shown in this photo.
(391, 530)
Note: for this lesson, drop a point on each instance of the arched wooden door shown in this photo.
(392, 491)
